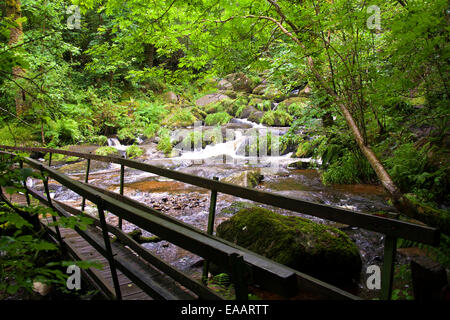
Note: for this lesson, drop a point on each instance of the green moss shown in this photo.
(106, 151)
(134, 151)
(277, 117)
(430, 215)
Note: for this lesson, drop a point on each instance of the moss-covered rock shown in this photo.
(318, 250)
(277, 118)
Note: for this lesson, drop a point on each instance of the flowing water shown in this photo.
(190, 204)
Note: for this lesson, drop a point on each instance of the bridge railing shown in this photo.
(187, 236)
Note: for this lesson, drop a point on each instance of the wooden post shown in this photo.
(211, 217)
(122, 179)
(238, 268)
(50, 159)
(27, 195)
(387, 272)
(86, 180)
(50, 204)
(110, 257)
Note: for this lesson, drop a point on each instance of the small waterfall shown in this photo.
(114, 142)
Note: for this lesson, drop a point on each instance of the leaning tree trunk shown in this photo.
(13, 13)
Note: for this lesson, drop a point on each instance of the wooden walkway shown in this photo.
(82, 250)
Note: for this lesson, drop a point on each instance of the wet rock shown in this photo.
(299, 165)
(232, 125)
(210, 98)
(249, 179)
(81, 167)
(318, 250)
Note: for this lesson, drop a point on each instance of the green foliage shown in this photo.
(219, 118)
(16, 134)
(264, 145)
(351, 168)
(26, 257)
(408, 168)
(106, 151)
(63, 131)
(127, 134)
(134, 152)
(151, 130)
(100, 140)
(440, 253)
(180, 117)
(150, 113)
(165, 143)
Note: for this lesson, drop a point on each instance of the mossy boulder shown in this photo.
(318, 250)
(277, 118)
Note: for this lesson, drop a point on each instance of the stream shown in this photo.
(190, 204)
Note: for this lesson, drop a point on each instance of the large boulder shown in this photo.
(315, 249)
(210, 98)
(240, 82)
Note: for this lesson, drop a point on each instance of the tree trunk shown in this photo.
(149, 53)
(399, 200)
(13, 13)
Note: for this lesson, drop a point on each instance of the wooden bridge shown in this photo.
(139, 274)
